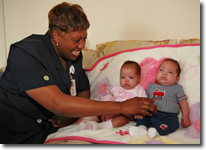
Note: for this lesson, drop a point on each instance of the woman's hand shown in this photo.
(59, 121)
(139, 106)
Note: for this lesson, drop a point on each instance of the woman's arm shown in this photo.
(60, 121)
(84, 94)
(61, 104)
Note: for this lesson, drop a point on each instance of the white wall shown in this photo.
(110, 19)
(3, 53)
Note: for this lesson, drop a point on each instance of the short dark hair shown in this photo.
(134, 63)
(67, 18)
(175, 62)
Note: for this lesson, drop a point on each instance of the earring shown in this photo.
(57, 44)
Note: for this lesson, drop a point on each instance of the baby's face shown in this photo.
(167, 73)
(129, 78)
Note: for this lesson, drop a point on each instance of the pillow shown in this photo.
(116, 46)
(89, 57)
(104, 74)
(189, 41)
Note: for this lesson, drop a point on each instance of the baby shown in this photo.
(170, 98)
(130, 77)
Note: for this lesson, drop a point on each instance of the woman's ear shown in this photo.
(56, 36)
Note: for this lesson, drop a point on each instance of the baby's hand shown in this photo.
(138, 116)
(185, 121)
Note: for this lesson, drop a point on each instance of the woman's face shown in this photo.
(69, 44)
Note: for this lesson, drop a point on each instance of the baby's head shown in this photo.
(168, 72)
(130, 75)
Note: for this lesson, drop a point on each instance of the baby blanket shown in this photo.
(104, 74)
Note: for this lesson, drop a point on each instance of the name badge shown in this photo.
(73, 85)
(73, 88)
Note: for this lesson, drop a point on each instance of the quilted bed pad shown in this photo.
(104, 74)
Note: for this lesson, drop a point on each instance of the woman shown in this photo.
(44, 79)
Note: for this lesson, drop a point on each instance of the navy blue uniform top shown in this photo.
(33, 63)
